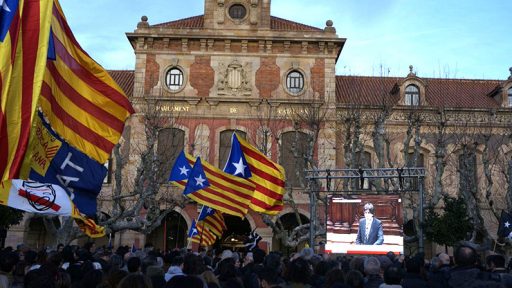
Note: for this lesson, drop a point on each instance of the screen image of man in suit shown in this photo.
(370, 228)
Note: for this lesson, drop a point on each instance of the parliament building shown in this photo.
(273, 81)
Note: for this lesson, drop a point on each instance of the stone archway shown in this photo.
(172, 233)
(289, 221)
(237, 231)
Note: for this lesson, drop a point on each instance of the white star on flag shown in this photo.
(200, 180)
(209, 210)
(4, 5)
(184, 170)
(194, 231)
(240, 167)
(507, 224)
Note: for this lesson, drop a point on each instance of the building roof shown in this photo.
(369, 90)
(276, 23)
(124, 78)
(439, 92)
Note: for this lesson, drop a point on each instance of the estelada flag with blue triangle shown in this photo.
(505, 225)
(269, 177)
(213, 220)
(211, 186)
(181, 169)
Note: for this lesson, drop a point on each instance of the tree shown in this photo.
(9, 217)
(448, 228)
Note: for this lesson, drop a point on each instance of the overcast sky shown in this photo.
(441, 38)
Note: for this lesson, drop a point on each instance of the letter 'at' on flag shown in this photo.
(82, 102)
(24, 32)
(269, 177)
(54, 161)
(211, 186)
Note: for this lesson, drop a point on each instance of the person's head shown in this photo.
(268, 277)
(8, 261)
(444, 258)
(435, 264)
(133, 264)
(465, 256)
(495, 261)
(333, 277)
(371, 266)
(258, 255)
(357, 263)
(193, 264)
(299, 271)
(115, 276)
(185, 281)
(414, 264)
(135, 280)
(368, 210)
(393, 275)
(177, 261)
(354, 279)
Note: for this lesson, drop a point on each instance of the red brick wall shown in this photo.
(318, 77)
(152, 73)
(202, 75)
(267, 77)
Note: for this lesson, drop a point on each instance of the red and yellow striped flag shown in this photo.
(204, 236)
(24, 34)
(269, 177)
(214, 188)
(83, 104)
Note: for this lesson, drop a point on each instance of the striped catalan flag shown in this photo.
(212, 219)
(83, 104)
(204, 236)
(211, 186)
(268, 177)
(24, 34)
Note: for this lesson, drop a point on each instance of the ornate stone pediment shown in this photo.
(234, 79)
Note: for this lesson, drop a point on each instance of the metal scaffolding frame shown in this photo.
(327, 175)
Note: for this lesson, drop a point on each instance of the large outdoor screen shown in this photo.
(347, 215)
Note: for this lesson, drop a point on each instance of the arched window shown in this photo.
(412, 95)
(171, 142)
(509, 97)
(293, 155)
(295, 82)
(225, 145)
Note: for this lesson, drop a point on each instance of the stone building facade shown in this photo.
(238, 68)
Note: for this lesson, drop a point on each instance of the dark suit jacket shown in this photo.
(376, 236)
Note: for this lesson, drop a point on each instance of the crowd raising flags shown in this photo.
(42, 67)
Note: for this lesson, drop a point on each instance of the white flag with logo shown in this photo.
(35, 197)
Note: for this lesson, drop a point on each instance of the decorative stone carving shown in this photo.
(234, 79)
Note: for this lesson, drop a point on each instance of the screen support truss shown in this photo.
(317, 176)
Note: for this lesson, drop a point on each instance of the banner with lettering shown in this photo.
(55, 161)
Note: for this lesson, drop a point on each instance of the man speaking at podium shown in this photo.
(370, 228)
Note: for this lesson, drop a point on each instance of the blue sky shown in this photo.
(441, 38)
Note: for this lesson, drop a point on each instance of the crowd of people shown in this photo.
(88, 266)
